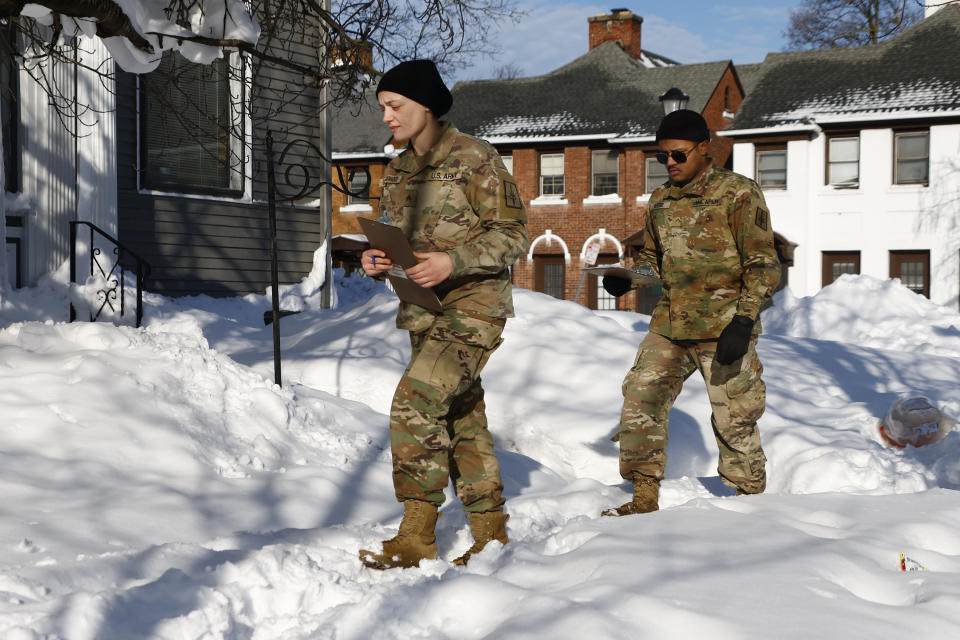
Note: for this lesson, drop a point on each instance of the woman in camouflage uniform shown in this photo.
(464, 217)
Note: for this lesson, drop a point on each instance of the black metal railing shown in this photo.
(297, 183)
(109, 269)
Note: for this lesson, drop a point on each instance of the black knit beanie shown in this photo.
(683, 125)
(420, 81)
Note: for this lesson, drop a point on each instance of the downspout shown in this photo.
(326, 204)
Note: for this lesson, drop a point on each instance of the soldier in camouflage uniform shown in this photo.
(463, 214)
(708, 237)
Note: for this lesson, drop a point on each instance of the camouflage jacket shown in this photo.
(711, 243)
(458, 198)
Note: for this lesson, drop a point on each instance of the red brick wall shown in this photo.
(346, 221)
(721, 148)
(575, 222)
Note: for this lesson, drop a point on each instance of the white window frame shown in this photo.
(897, 137)
(777, 150)
(594, 174)
(832, 164)
(552, 156)
(357, 171)
(647, 160)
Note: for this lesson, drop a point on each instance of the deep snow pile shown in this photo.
(158, 485)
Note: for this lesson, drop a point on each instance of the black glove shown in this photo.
(734, 340)
(616, 286)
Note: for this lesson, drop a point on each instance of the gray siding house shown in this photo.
(175, 171)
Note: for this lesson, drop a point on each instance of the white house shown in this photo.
(858, 152)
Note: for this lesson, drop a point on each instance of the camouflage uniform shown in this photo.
(458, 198)
(711, 242)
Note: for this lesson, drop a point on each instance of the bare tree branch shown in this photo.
(824, 24)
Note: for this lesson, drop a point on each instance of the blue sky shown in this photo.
(554, 33)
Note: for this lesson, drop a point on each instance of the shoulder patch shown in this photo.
(511, 195)
(762, 218)
(511, 201)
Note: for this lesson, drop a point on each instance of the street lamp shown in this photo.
(673, 99)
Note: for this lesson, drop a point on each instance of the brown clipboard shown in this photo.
(636, 279)
(392, 241)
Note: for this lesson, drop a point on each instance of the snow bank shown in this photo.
(158, 485)
(865, 311)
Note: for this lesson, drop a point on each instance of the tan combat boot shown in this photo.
(415, 541)
(485, 527)
(646, 491)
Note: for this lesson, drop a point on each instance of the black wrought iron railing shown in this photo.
(110, 265)
(297, 183)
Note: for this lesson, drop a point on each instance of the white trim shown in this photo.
(603, 236)
(644, 198)
(356, 208)
(780, 128)
(839, 118)
(883, 116)
(631, 139)
(345, 155)
(549, 238)
(610, 198)
(196, 196)
(528, 139)
(548, 200)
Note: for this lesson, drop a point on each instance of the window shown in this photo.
(358, 181)
(912, 151)
(655, 174)
(508, 163)
(191, 128)
(772, 167)
(597, 296)
(843, 162)
(9, 106)
(605, 301)
(549, 275)
(551, 174)
(837, 263)
(913, 269)
(605, 172)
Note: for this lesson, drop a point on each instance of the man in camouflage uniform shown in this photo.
(463, 214)
(708, 237)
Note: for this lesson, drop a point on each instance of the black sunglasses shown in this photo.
(678, 156)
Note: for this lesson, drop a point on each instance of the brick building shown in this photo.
(579, 140)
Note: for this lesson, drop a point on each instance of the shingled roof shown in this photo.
(915, 72)
(603, 93)
(358, 129)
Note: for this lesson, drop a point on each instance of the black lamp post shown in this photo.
(673, 100)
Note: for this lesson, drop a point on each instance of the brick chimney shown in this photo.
(621, 26)
(357, 52)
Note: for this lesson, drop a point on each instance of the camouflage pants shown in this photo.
(737, 396)
(438, 427)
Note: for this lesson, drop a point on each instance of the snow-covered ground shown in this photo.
(156, 484)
